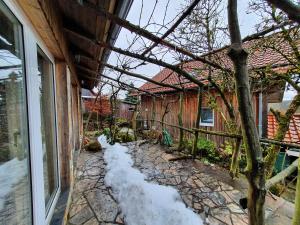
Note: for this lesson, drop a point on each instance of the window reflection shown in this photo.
(207, 117)
(15, 196)
(48, 127)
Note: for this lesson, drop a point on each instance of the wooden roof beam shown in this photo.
(110, 78)
(144, 33)
(142, 77)
(137, 76)
(176, 69)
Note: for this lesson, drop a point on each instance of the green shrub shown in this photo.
(276, 189)
(97, 133)
(5, 155)
(121, 122)
(150, 134)
(106, 132)
(93, 146)
(228, 148)
(243, 161)
(125, 137)
(208, 149)
(188, 144)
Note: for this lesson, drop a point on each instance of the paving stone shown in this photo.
(236, 219)
(92, 221)
(82, 216)
(93, 202)
(103, 205)
(235, 195)
(234, 208)
(222, 214)
(213, 221)
(77, 206)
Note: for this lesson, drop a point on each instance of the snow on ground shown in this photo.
(141, 202)
(11, 172)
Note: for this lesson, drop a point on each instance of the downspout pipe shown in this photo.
(260, 106)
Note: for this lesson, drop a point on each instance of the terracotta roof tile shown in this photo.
(258, 57)
(293, 134)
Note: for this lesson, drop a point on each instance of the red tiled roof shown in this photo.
(293, 134)
(258, 57)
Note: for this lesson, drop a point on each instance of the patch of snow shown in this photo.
(126, 130)
(141, 202)
(11, 172)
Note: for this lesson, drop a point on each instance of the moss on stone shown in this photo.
(93, 146)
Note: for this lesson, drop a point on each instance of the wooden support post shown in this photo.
(194, 151)
(133, 122)
(153, 112)
(180, 122)
(282, 175)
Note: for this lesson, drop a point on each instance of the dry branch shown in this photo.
(176, 69)
(142, 77)
(186, 13)
(110, 78)
(140, 57)
(290, 8)
(142, 32)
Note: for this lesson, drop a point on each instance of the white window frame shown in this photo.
(31, 41)
(208, 124)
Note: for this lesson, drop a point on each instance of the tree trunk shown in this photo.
(180, 123)
(255, 167)
(283, 127)
(194, 150)
(234, 166)
(296, 218)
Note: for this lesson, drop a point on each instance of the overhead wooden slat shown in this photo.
(90, 64)
(80, 15)
(82, 44)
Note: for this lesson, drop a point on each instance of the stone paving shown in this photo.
(93, 203)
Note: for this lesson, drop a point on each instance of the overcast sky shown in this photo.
(247, 24)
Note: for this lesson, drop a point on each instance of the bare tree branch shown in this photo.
(290, 8)
(142, 32)
(142, 77)
(173, 27)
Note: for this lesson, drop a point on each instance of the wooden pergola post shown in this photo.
(180, 122)
(194, 150)
(153, 112)
(134, 119)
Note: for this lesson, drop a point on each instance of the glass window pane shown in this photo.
(45, 68)
(15, 194)
(207, 115)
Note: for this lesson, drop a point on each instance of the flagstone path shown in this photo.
(202, 188)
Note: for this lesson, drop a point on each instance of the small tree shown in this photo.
(255, 166)
(129, 97)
